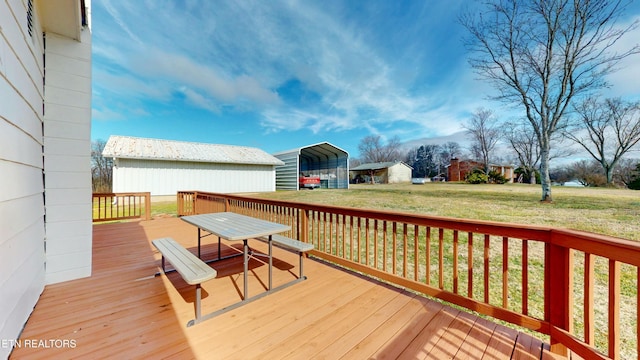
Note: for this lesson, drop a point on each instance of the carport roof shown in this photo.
(323, 150)
(170, 150)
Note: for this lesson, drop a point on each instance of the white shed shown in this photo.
(382, 172)
(164, 167)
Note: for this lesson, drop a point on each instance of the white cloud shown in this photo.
(236, 54)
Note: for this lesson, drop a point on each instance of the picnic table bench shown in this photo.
(193, 270)
(290, 244)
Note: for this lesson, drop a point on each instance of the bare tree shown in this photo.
(611, 129)
(526, 147)
(372, 150)
(588, 173)
(626, 171)
(101, 168)
(425, 160)
(542, 54)
(484, 129)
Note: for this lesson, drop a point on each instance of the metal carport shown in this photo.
(323, 159)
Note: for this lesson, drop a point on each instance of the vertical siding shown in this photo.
(399, 173)
(287, 174)
(67, 162)
(22, 229)
(169, 177)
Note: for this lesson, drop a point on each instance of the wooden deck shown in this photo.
(123, 311)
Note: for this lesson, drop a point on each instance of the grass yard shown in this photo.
(614, 212)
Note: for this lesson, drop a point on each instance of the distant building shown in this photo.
(458, 169)
(324, 160)
(164, 167)
(382, 173)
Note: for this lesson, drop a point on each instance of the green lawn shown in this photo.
(614, 212)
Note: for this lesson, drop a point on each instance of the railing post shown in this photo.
(558, 292)
(147, 206)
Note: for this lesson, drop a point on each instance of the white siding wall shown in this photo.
(22, 229)
(169, 177)
(67, 162)
(399, 173)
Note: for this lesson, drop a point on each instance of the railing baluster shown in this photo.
(344, 241)
(486, 267)
(614, 309)
(351, 238)
(416, 252)
(405, 244)
(384, 246)
(331, 235)
(455, 261)
(358, 240)
(525, 277)
(589, 321)
(394, 248)
(366, 236)
(470, 265)
(505, 272)
(375, 243)
(427, 253)
(324, 232)
(441, 258)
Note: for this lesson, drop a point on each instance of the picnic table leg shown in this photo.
(199, 237)
(246, 269)
(198, 301)
(270, 263)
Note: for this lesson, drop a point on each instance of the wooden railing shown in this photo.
(570, 285)
(121, 206)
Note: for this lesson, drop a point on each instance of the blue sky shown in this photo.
(282, 74)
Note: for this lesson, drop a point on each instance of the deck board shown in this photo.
(123, 311)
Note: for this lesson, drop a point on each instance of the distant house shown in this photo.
(45, 146)
(382, 173)
(458, 169)
(164, 167)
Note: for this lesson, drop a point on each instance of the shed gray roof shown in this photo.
(378, 166)
(156, 149)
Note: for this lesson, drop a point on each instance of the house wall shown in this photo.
(67, 157)
(22, 228)
(43, 130)
(399, 173)
(169, 177)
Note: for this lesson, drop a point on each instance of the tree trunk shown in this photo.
(545, 179)
(609, 173)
